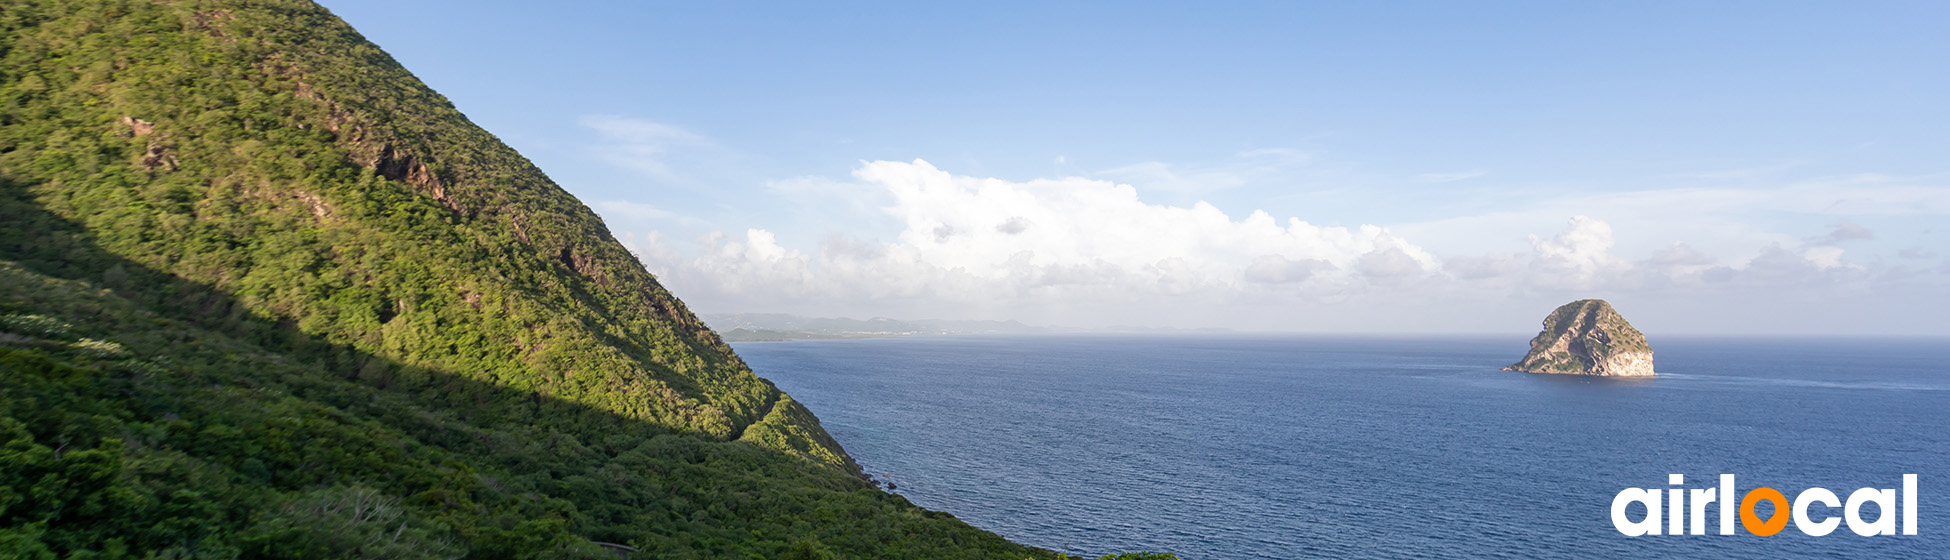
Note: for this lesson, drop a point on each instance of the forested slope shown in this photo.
(265, 294)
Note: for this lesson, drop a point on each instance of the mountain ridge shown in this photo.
(255, 276)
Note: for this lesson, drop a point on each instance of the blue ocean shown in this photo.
(1279, 447)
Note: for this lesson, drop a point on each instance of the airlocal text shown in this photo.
(1684, 510)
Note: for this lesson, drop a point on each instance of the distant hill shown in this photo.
(1588, 337)
(264, 294)
(753, 327)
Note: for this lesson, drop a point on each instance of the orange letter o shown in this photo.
(1774, 523)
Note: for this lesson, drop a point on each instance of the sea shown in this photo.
(1283, 447)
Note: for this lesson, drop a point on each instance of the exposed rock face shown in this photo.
(1588, 337)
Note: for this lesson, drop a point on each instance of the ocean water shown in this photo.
(1294, 447)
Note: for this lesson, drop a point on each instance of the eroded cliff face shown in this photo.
(1588, 337)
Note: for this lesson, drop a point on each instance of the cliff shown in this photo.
(1588, 337)
(255, 275)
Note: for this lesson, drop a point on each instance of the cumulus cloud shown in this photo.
(1721, 220)
(1679, 255)
(1014, 225)
(971, 239)
(1392, 266)
(1579, 258)
(1676, 264)
(1276, 269)
(1082, 249)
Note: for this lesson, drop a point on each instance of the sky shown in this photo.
(1402, 167)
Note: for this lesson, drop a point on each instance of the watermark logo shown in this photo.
(1682, 511)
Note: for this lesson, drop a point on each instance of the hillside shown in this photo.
(1587, 337)
(264, 294)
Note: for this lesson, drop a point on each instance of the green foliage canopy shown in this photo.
(263, 294)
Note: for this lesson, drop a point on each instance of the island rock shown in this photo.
(1588, 337)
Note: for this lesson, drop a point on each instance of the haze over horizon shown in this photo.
(1728, 168)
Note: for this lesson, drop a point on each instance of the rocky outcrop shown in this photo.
(1588, 337)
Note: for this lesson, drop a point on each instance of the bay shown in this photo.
(1237, 446)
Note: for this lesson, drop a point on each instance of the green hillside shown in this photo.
(263, 294)
(1580, 336)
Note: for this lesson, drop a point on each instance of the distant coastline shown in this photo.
(781, 327)
(769, 335)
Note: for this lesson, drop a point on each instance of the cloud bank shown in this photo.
(1087, 251)
(980, 241)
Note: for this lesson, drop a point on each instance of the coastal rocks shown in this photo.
(1588, 337)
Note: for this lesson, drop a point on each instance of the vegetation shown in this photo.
(265, 295)
(1579, 335)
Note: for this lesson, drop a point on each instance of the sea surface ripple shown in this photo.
(1316, 446)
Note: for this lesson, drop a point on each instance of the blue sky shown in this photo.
(1709, 167)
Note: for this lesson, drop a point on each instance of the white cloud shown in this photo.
(1720, 220)
(1676, 264)
(1276, 269)
(978, 240)
(1086, 251)
(1579, 258)
(1824, 257)
(1777, 266)
(1679, 255)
